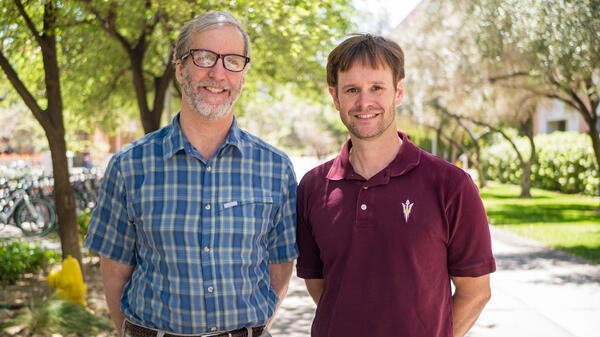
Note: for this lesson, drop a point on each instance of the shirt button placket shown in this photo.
(206, 236)
(362, 215)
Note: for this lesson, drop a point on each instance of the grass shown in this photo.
(569, 222)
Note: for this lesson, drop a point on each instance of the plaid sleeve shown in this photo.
(282, 238)
(110, 232)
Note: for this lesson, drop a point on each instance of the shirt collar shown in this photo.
(175, 141)
(408, 157)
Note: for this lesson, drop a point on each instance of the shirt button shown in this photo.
(207, 207)
(363, 207)
(210, 289)
(209, 168)
(365, 187)
(213, 329)
(206, 249)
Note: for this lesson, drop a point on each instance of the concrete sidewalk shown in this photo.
(535, 292)
(539, 292)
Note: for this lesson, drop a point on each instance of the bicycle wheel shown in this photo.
(36, 219)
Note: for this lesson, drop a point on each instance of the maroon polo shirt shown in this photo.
(386, 247)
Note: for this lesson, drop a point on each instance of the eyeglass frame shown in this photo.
(219, 56)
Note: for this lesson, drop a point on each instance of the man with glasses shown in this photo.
(195, 223)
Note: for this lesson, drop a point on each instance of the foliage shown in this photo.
(83, 221)
(565, 163)
(20, 129)
(19, 257)
(30, 57)
(561, 44)
(289, 39)
(567, 222)
(302, 128)
(496, 60)
(60, 317)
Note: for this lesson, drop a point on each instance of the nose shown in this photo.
(365, 101)
(218, 70)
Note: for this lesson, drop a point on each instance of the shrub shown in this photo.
(18, 257)
(565, 163)
(83, 221)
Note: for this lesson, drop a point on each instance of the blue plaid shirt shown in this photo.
(200, 234)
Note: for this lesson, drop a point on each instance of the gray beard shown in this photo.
(204, 109)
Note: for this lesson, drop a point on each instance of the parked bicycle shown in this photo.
(34, 216)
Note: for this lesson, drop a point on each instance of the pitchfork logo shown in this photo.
(407, 208)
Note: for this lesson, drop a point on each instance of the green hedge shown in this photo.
(566, 163)
(18, 257)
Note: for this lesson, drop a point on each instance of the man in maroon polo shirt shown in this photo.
(385, 228)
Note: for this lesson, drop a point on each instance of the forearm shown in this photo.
(315, 288)
(280, 275)
(114, 277)
(468, 302)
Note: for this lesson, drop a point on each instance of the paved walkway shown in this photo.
(535, 292)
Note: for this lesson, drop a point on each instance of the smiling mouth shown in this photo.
(215, 90)
(367, 116)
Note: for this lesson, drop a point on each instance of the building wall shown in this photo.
(557, 116)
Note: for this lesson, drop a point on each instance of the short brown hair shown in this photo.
(371, 50)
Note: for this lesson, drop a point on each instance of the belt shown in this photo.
(134, 330)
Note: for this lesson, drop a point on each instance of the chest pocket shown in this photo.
(247, 214)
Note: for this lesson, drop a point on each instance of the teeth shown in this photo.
(366, 116)
(215, 90)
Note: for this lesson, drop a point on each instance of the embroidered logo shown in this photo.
(406, 208)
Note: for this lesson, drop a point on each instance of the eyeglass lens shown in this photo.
(207, 59)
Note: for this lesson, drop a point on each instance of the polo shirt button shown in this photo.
(363, 207)
(207, 207)
(365, 187)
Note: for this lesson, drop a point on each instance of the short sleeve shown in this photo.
(110, 232)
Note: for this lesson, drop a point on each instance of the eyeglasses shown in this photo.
(204, 58)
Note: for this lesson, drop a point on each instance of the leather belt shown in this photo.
(134, 330)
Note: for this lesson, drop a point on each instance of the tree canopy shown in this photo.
(498, 61)
(81, 64)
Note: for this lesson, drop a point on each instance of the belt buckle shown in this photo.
(229, 333)
(213, 334)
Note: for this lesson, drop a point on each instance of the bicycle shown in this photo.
(34, 216)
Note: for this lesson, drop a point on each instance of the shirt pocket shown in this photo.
(247, 214)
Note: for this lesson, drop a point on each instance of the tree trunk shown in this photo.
(51, 120)
(64, 197)
(596, 145)
(526, 180)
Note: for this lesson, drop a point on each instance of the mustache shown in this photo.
(368, 109)
(213, 83)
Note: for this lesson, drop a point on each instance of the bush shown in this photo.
(18, 258)
(566, 163)
(83, 221)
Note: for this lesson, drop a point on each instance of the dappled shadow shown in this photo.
(512, 196)
(511, 214)
(295, 315)
(561, 267)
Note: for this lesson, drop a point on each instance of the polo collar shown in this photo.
(408, 158)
